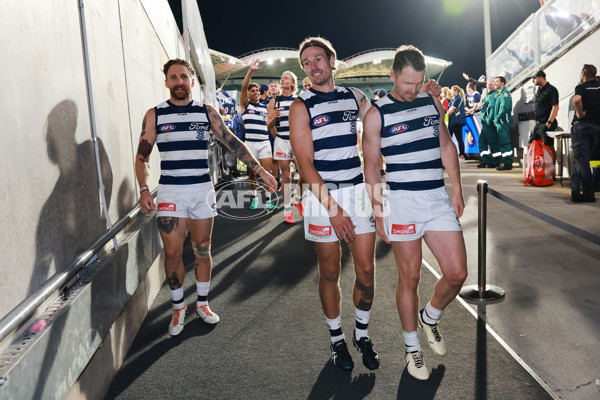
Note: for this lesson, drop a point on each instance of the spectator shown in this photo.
(479, 84)
(562, 22)
(306, 84)
(457, 120)
(473, 98)
(263, 90)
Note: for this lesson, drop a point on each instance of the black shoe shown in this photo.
(577, 197)
(340, 356)
(492, 166)
(503, 167)
(483, 166)
(369, 355)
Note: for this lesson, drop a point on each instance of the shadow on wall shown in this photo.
(71, 219)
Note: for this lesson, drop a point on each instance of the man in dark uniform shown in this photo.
(546, 110)
(586, 131)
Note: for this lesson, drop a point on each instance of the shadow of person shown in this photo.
(71, 218)
(109, 293)
(335, 383)
(410, 388)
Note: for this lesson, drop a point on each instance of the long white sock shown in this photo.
(177, 297)
(411, 341)
(202, 288)
(431, 315)
(362, 323)
(335, 328)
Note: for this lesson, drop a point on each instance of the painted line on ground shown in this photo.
(510, 351)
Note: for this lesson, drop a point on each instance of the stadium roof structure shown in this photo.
(371, 67)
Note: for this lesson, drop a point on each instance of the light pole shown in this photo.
(487, 35)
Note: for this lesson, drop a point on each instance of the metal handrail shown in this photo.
(21, 312)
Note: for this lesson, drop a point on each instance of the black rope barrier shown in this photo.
(546, 218)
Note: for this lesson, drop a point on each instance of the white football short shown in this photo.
(198, 202)
(409, 216)
(283, 150)
(260, 150)
(354, 200)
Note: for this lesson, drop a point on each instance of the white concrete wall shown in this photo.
(45, 116)
(50, 195)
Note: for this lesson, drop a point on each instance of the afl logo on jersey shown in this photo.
(398, 128)
(321, 120)
(167, 128)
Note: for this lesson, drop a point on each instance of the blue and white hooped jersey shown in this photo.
(410, 144)
(182, 137)
(283, 130)
(255, 122)
(333, 118)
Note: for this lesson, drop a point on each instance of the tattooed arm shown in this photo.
(238, 148)
(147, 139)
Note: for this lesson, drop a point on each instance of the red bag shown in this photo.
(539, 170)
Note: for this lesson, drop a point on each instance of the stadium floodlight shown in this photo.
(487, 35)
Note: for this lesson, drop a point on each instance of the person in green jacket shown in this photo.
(503, 121)
(488, 139)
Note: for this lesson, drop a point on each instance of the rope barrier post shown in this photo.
(482, 293)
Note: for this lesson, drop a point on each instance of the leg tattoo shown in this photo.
(173, 281)
(168, 224)
(366, 295)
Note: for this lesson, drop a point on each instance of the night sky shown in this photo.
(447, 29)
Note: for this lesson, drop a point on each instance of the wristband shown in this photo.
(144, 188)
(258, 167)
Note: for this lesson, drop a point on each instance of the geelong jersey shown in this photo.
(410, 143)
(182, 137)
(285, 102)
(333, 122)
(255, 122)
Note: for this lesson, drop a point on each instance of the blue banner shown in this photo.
(227, 101)
(471, 134)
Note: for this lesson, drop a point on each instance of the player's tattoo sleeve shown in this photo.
(144, 149)
(225, 136)
(143, 127)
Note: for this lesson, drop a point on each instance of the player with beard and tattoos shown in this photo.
(181, 127)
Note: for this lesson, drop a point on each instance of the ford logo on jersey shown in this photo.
(399, 128)
(167, 128)
(321, 120)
